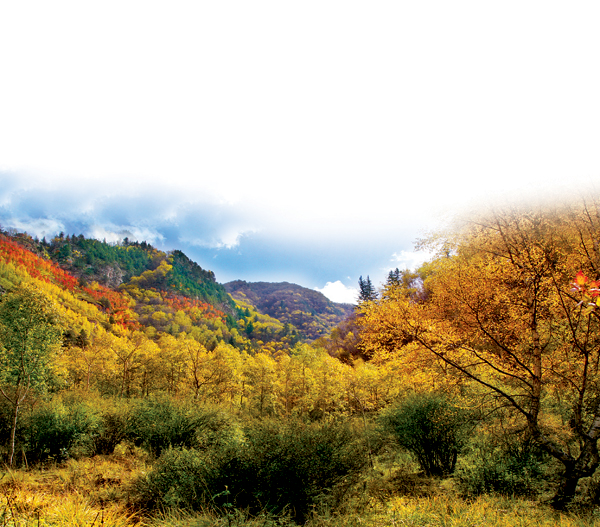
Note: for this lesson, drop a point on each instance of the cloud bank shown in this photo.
(338, 292)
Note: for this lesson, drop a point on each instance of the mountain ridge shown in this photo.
(169, 294)
(307, 309)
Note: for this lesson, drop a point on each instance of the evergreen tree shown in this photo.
(394, 278)
(367, 291)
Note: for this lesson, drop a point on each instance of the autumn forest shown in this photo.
(137, 390)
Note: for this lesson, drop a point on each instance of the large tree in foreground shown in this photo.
(29, 333)
(500, 310)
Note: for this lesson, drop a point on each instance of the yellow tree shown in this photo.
(498, 310)
(87, 360)
(171, 363)
(259, 383)
(197, 358)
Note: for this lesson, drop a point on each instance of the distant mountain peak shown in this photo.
(308, 310)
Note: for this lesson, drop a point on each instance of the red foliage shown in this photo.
(48, 272)
(195, 309)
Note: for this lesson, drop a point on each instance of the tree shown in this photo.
(367, 292)
(500, 312)
(394, 278)
(29, 334)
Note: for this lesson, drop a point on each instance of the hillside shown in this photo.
(479, 354)
(162, 293)
(311, 312)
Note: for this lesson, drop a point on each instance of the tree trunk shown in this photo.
(13, 434)
(584, 466)
(566, 489)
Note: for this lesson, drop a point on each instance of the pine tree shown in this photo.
(367, 291)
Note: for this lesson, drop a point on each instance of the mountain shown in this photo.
(136, 286)
(116, 265)
(311, 312)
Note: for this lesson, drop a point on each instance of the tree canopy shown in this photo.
(501, 312)
(29, 333)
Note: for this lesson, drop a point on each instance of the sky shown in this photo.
(311, 142)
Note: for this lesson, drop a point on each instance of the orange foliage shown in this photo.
(48, 272)
(195, 309)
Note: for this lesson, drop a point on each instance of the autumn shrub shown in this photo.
(431, 428)
(507, 465)
(163, 422)
(293, 465)
(56, 431)
(275, 467)
(179, 479)
(115, 424)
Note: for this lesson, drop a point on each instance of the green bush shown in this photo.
(180, 479)
(162, 422)
(512, 466)
(430, 427)
(293, 465)
(115, 425)
(275, 467)
(55, 431)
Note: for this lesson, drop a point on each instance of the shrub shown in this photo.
(431, 428)
(275, 467)
(294, 465)
(162, 422)
(512, 466)
(55, 431)
(180, 479)
(115, 425)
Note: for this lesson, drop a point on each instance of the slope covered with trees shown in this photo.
(311, 312)
(481, 369)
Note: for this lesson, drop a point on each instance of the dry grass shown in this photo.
(93, 493)
(86, 492)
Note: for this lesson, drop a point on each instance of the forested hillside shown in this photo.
(465, 391)
(311, 312)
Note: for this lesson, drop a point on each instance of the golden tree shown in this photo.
(499, 310)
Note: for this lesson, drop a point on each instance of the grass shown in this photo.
(94, 493)
(84, 493)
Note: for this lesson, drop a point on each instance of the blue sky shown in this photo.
(311, 142)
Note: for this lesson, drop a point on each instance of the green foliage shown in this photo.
(276, 467)
(180, 478)
(431, 428)
(115, 423)
(292, 465)
(161, 422)
(55, 431)
(513, 466)
(99, 259)
(367, 291)
(29, 333)
(189, 279)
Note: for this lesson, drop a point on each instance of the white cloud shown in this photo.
(113, 234)
(338, 292)
(410, 259)
(434, 103)
(227, 238)
(40, 227)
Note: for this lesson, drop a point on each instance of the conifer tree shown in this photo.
(367, 291)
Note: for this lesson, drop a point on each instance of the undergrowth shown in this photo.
(94, 492)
